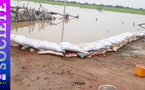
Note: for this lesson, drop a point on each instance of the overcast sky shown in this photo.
(129, 3)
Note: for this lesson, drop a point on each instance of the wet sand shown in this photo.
(30, 71)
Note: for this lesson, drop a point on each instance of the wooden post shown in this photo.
(63, 21)
(62, 31)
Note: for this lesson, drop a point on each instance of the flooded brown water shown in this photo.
(85, 29)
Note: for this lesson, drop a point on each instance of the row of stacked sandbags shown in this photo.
(42, 46)
(72, 50)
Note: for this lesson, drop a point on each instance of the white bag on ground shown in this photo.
(36, 43)
(123, 37)
(19, 39)
(70, 47)
(31, 43)
(50, 52)
(143, 32)
(128, 34)
(87, 46)
(139, 34)
(99, 46)
(106, 43)
(112, 41)
(50, 46)
(12, 37)
(117, 38)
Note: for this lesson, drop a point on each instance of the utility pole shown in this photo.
(62, 31)
(63, 21)
(64, 8)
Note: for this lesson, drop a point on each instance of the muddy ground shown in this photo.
(30, 71)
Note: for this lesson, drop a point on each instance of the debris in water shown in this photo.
(133, 24)
(24, 14)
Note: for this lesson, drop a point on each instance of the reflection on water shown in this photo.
(20, 27)
(92, 25)
(41, 24)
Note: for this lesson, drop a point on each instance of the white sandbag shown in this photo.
(143, 32)
(112, 40)
(19, 39)
(42, 45)
(12, 38)
(123, 36)
(126, 40)
(139, 34)
(87, 46)
(120, 37)
(128, 34)
(70, 47)
(31, 43)
(50, 52)
(36, 43)
(99, 46)
(106, 43)
(50, 46)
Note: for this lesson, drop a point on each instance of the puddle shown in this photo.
(83, 30)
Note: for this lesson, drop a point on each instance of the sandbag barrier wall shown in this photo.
(83, 50)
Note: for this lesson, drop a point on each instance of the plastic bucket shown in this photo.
(107, 87)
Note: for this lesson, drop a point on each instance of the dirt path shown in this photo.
(30, 71)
